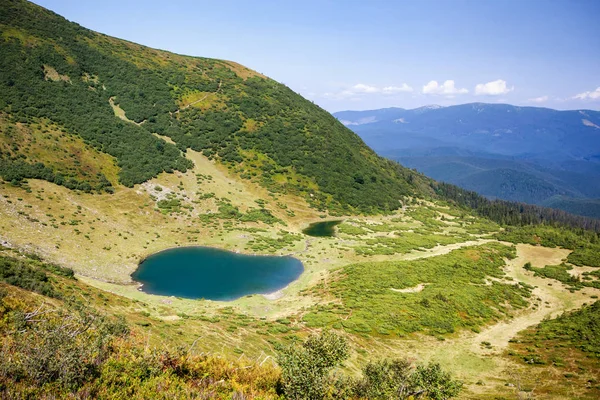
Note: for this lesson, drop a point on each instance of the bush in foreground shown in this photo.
(73, 351)
(306, 374)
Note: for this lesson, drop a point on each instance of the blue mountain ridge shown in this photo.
(530, 154)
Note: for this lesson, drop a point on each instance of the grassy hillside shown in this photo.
(137, 111)
(58, 76)
(111, 151)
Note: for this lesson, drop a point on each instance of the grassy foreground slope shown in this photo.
(61, 338)
(57, 75)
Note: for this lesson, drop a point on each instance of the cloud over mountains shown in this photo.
(493, 88)
(447, 88)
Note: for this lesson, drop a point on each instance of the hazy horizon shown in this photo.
(463, 104)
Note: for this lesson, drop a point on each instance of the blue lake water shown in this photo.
(214, 274)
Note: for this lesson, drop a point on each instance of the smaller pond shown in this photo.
(322, 229)
(214, 274)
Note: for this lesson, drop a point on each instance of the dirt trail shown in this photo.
(465, 355)
(441, 250)
(414, 289)
(547, 301)
(120, 113)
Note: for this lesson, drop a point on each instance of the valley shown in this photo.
(526, 154)
(390, 284)
(131, 225)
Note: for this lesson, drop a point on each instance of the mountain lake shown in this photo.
(322, 229)
(214, 274)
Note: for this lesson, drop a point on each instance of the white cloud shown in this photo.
(447, 88)
(344, 94)
(493, 88)
(396, 89)
(541, 99)
(361, 89)
(588, 95)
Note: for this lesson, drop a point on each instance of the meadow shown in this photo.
(436, 282)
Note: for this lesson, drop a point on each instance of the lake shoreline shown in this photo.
(212, 273)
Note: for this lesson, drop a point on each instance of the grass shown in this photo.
(203, 100)
(102, 237)
(566, 351)
(405, 242)
(456, 295)
(284, 239)
(585, 244)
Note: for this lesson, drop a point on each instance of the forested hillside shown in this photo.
(58, 76)
(528, 154)
(512, 213)
(88, 112)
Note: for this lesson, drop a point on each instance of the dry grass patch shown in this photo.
(50, 74)
(242, 71)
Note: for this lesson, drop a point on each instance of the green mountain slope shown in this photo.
(585, 207)
(58, 76)
(509, 179)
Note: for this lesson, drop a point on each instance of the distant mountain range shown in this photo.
(530, 154)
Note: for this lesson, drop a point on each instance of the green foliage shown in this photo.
(16, 171)
(435, 383)
(26, 94)
(579, 329)
(76, 352)
(305, 374)
(30, 274)
(305, 369)
(384, 379)
(66, 347)
(262, 243)
(260, 214)
(348, 229)
(385, 298)
(395, 379)
(405, 242)
(169, 205)
(228, 211)
(561, 274)
(586, 255)
(567, 349)
(298, 139)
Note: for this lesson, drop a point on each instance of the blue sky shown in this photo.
(360, 55)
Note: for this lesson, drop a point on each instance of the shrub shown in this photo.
(434, 383)
(384, 379)
(56, 346)
(305, 369)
